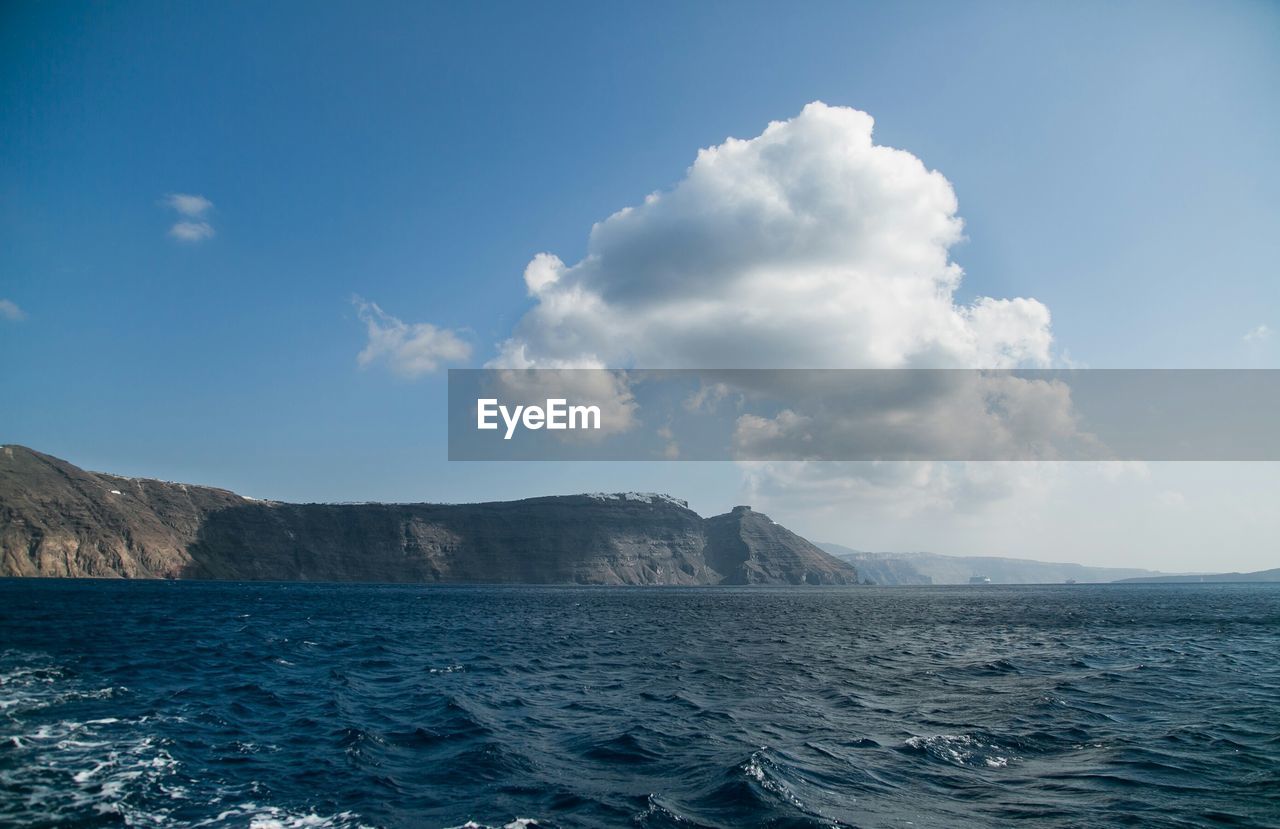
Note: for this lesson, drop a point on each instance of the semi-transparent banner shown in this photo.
(864, 414)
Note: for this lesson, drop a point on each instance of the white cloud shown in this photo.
(9, 310)
(191, 231)
(927, 415)
(542, 271)
(193, 227)
(610, 390)
(894, 490)
(188, 205)
(1259, 334)
(1163, 515)
(411, 350)
(807, 246)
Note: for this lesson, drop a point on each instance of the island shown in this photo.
(58, 520)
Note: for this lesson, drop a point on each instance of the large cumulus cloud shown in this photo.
(807, 246)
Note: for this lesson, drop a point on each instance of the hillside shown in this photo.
(57, 520)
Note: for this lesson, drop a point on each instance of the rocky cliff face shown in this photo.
(61, 521)
(747, 547)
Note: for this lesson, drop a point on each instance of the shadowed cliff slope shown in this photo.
(57, 520)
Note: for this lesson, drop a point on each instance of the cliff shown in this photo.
(57, 520)
(747, 547)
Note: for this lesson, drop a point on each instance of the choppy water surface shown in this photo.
(189, 704)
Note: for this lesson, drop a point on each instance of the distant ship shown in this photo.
(979, 580)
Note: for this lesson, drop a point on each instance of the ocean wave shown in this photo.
(254, 816)
(704, 709)
(962, 750)
(119, 768)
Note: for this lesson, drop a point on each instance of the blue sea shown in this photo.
(159, 704)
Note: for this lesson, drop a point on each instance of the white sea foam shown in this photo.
(257, 816)
(962, 750)
(758, 766)
(66, 768)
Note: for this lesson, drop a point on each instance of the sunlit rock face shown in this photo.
(57, 520)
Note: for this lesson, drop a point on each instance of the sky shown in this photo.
(240, 244)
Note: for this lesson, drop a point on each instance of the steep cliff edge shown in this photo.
(57, 520)
(748, 547)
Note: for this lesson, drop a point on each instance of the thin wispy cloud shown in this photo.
(189, 205)
(193, 227)
(10, 311)
(191, 231)
(1258, 335)
(409, 349)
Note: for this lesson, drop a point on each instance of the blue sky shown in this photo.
(1116, 162)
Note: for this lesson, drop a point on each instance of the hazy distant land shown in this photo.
(932, 568)
(1272, 575)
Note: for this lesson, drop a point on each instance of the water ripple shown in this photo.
(289, 705)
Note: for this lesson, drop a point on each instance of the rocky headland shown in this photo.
(57, 520)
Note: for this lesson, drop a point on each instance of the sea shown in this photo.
(265, 705)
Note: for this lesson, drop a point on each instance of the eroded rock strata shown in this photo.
(57, 520)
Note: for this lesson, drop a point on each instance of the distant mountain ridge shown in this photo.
(57, 520)
(933, 568)
(1272, 575)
